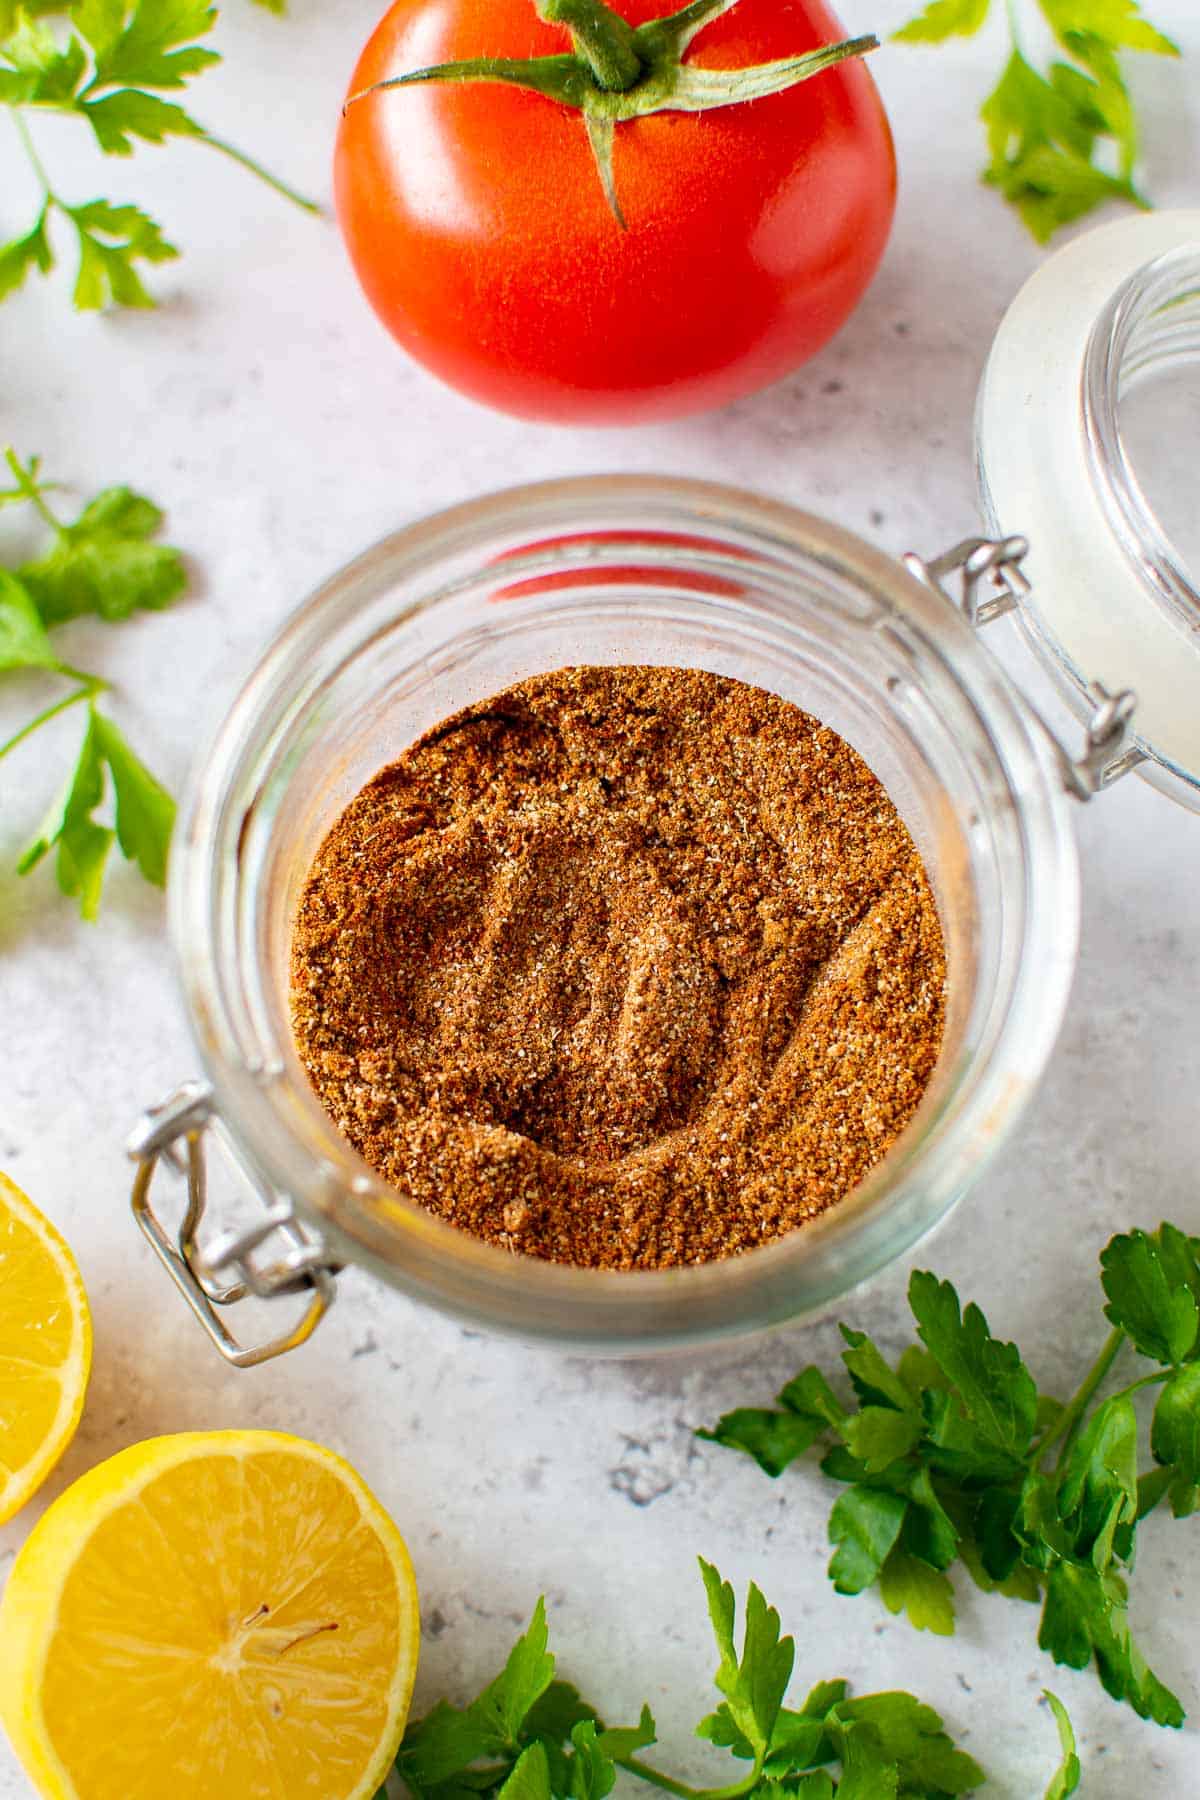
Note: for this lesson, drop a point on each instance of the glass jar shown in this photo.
(1088, 442)
(621, 570)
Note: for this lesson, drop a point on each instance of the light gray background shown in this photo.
(265, 409)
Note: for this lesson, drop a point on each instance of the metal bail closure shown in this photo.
(229, 1269)
(993, 583)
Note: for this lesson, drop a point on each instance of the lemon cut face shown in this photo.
(222, 1614)
(45, 1348)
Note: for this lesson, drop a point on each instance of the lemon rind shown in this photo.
(72, 1374)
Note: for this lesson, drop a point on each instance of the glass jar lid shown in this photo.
(1088, 443)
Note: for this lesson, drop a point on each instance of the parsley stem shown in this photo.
(669, 1785)
(1146, 1381)
(38, 166)
(95, 684)
(30, 489)
(256, 168)
(87, 692)
(1069, 1420)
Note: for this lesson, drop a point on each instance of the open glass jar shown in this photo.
(616, 570)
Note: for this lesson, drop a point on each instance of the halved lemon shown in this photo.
(45, 1348)
(222, 1615)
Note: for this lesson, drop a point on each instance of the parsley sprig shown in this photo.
(108, 64)
(106, 563)
(530, 1736)
(1063, 141)
(953, 1455)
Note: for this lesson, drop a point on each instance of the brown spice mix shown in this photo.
(624, 967)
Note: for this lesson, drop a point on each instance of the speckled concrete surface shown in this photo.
(263, 407)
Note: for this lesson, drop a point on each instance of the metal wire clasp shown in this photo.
(993, 580)
(994, 583)
(229, 1269)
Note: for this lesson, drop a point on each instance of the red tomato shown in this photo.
(478, 226)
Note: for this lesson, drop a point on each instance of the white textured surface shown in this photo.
(265, 409)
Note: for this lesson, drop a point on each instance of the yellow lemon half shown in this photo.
(45, 1348)
(223, 1615)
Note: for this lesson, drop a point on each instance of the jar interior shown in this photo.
(369, 677)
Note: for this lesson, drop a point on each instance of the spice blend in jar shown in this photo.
(621, 967)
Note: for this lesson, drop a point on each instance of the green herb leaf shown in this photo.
(873, 1379)
(24, 641)
(800, 1739)
(108, 65)
(503, 1705)
(943, 19)
(530, 1778)
(867, 1773)
(145, 811)
(821, 1698)
(82, 845)
(145, 815)
(121, 118)
(1175, 1436)
(956, 1446)
(864, 1524)
(885, 1744)
(755, 1684)
(994, 1521)
(1046, 132)
(878, 1436)
(997, 1389)
(1069, 1774)
(818, 1785)
(40, 71)
(592, 1773)
(1021, 1583)
(20, 257)
(112, 239)
(1153, 1487)
(149, 43)
(440, 1747)
(1085, 1614)
(810, 1395)
(929, 1531)
(911, 1736)
(556, 1714)
(941, 1462)
(104, 563)
(910, 1586)
(1151, 1297)
(1099, 1486)
(773, 1439)
(1117, 23)
(619, 1741)
(918, 1371)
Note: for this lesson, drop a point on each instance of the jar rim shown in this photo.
(1153, 318)
(290, 1143)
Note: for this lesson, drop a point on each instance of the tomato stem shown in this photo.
(600, 35)
(616, 71)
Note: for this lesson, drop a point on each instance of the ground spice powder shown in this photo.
(622, 967)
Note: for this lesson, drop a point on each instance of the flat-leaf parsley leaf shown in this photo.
(107, 65)
(105, 563)
(948, 1458)
(1062, 141)
(509, 1743)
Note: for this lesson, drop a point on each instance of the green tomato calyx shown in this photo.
(617, 71)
